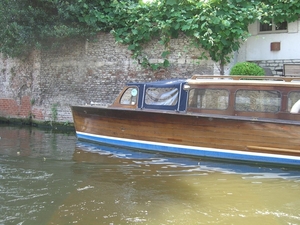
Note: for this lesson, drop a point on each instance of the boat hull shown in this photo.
(197, 135)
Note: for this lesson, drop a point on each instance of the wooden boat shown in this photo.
(227, 117)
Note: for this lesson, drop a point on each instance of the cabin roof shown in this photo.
(222, 80)
(161, 83)
(243, 82)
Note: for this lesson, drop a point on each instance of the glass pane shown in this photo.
(281, 26)
(257, 101)
(209, 98)
(129, 97)
(161, 96)
(265, 26)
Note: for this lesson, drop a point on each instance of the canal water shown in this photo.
(48, 177)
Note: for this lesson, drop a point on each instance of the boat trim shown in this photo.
(179, 98)
(192, 150)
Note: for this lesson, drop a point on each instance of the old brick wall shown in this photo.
(13, 108)
(79, 72)
(18, 85)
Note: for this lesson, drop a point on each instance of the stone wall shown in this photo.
(276, 66)
(79, 72)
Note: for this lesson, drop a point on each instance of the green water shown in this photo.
(50, 178)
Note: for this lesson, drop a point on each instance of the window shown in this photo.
(129, 97)
(209, 98)
(257, 101)
(293, 98)
(161, 96)
(270, 26)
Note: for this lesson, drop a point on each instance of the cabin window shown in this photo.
(257, 101)
(129, 97)
(161, 96)
(209, 98)
(271, 27)
(293, 98)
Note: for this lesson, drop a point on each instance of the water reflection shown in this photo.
(178, 165)
(50, 178)
(130, 187)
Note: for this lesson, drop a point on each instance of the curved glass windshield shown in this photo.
(129, 97)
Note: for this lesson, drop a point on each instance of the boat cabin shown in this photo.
(162, 95)
(238, 96)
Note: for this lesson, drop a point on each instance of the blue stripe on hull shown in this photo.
(192, 150)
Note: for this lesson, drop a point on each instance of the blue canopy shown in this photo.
(171, 83)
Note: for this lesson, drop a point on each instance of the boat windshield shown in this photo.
(129, 97)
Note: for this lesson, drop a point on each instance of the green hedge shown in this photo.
(247, 68)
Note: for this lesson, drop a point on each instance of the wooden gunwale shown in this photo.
(272, 149)
(195, 124)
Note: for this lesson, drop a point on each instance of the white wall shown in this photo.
(257, 47)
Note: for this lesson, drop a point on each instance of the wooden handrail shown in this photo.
(241, 77)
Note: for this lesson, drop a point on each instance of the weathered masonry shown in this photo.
(44, 87)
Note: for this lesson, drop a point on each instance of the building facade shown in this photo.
(272, 46)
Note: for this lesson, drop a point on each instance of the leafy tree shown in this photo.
(27, 24)
(17, 24)
(218, 26)
(280, 10)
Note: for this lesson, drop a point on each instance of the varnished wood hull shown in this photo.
(199, 135)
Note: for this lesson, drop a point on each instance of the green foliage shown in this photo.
(247, 68)
(218, 26)
(280, 10)
(27, 24)
(54, 112)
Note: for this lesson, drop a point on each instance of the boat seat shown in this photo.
(291, 70)
(268, 71)
(296, 107)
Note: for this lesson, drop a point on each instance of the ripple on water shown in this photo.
(106, 185)
(19, 187)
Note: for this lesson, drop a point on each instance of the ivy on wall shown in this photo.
(218, 26)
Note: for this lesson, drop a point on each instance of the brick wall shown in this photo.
(81, 72)
(8, 107)
(11, 108)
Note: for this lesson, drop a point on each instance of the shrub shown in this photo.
(247, 68)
